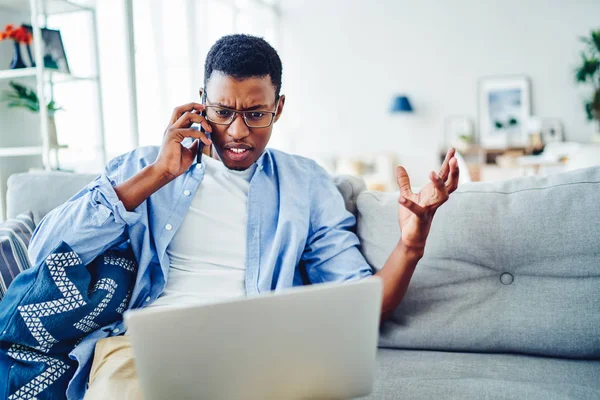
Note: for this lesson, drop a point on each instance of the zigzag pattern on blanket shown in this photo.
(56, 309)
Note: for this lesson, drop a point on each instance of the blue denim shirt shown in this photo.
(298, 231)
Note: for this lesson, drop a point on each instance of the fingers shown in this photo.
(454, 175)
(194, 147)
(441, 191)
(403, 181)
(412, 206)
(188, 118)
(183, 133)
(444, 170)
(179, 111)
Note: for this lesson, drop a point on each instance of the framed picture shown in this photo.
(54, 51)
(552, 130)
(504, 109)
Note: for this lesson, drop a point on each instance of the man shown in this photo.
(244, 221)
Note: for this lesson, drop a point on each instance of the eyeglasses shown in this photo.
(253, 119)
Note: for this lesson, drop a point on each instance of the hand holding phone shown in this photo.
(174, 157)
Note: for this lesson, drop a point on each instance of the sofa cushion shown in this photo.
(49, 308)
(412, 374)
(350, 187)
(14, 238)
(58, 187)
(41, 192)
(511, 266)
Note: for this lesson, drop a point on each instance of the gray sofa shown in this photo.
(504, 305)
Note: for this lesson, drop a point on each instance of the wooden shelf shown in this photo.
(52, 6)
(20, 151)
(49, 74)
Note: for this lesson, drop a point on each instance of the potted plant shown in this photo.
(588, 72)
(21, 96)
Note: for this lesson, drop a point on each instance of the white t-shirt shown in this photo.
(208, 252)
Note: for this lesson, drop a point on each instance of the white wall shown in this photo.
(344, 60)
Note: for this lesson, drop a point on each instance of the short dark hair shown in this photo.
(244, 56)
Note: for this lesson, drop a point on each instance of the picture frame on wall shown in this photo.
(54, 50)
(504, 108)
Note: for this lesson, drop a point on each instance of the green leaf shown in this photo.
(588, 110)
(596, 105)
(580, 75)
(596, 39)
(588, 69)
(22, 105)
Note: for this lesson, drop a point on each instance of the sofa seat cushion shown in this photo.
(510, 266)
(414, 374)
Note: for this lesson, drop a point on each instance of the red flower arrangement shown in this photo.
(19, 35)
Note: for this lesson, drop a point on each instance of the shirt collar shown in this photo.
(265, 162)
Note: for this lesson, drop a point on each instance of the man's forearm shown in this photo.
(135, 190)
(396, 274)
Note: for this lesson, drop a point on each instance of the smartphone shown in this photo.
(201, 145)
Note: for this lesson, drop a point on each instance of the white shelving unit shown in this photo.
(49, 75)
(45, 78)
(20, 151)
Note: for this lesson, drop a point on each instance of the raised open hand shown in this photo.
(416, 210)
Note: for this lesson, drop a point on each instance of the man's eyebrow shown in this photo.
(257, 107)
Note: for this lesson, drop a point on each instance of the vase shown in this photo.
(30, 56)
(17, 61)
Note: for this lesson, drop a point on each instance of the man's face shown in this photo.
(238, 145)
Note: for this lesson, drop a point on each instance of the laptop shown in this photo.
(309, 342)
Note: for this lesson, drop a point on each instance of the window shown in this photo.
(171, 41)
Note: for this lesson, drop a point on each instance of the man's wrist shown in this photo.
(411, 250)
(158, 177)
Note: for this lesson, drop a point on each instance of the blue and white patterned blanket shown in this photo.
(48, 309)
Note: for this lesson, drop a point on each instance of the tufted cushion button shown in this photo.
(506, 278)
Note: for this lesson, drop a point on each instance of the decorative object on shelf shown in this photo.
(402, 105)
(535, 144)
(25, 97)
(19, 36)
(552, 130)
(54, 51)
(459, 133)
(504, 109)
(588, 72)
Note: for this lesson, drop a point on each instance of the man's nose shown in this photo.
(238, 128)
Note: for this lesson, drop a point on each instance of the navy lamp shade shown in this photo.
(402, 104)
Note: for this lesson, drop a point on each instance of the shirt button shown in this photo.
(187, 192)
(116, 330)
(168, 227)
(506, 278)
(147, 299)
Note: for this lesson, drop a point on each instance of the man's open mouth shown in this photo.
(238, 153)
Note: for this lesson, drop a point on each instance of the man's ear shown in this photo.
(280, 108)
